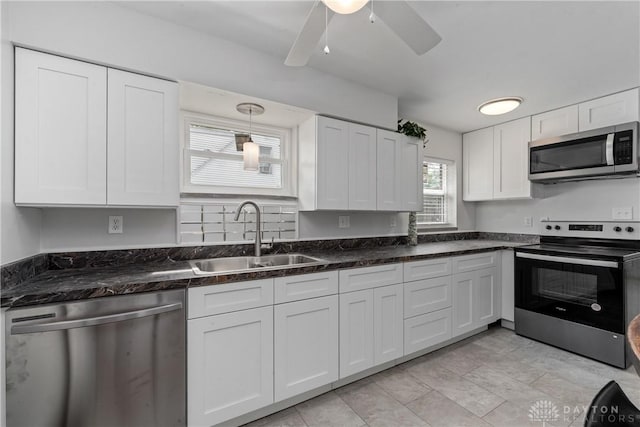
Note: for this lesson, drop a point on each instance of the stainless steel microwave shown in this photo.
(596, 153)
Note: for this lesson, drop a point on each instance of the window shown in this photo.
(213, 163)
(438, 194)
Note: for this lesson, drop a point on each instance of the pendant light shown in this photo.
(250, 150)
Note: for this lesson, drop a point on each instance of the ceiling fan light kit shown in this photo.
(345, 7)
(495, 107)
(398, 16)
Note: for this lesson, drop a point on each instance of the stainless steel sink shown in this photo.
(251, 263)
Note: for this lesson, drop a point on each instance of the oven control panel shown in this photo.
(629, 230)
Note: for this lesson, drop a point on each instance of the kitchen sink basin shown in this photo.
(251, 263)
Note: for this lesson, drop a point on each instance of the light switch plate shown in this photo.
(528, 221)
(623, 214)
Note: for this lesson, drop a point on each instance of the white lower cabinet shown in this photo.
(427, 330)
(356, 332)
(476, 299)
(229, 365)
(370, 328)
(305, 345)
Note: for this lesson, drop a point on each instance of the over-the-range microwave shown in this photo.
(596, 153)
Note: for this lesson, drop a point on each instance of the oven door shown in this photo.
(581, 290)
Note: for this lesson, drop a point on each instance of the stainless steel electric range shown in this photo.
(580, 287)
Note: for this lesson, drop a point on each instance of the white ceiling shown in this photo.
(550, 53)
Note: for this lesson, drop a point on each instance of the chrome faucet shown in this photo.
(258, 243)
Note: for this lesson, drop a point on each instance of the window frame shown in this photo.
(450, 197)
(287, 156)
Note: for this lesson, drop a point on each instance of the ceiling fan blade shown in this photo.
(403, 20)
(309, 36)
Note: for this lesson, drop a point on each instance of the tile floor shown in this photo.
(491, 379)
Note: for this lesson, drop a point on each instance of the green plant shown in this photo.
(413, 129)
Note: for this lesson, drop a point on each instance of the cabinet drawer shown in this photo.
(462, 264)
(424, 331)
(426, 296)
(216, 299)
(418, 270)
(294, 288)
(370, 277)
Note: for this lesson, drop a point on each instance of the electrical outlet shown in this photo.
(624, 213)
(528, 221)
(392, 221)
(343, 221)
(116, 224)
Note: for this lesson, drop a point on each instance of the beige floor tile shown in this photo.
(328, 410)
(401, 385)
(457, 361)
(377, 408)
(439, 411)
(564, 392)
(503, 385)
(288, 418)
(464, 392)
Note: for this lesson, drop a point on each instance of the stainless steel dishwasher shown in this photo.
(116, 361)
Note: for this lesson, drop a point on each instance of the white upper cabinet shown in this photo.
(495, 162)
(348, 166)
(66, 155)
(562, 121)
(412, 158)
(333, 164)
(390, 170)
(60, 130)
(511, 160)
(477, 165)
(142, 140)
(609, 110)
(362, 167)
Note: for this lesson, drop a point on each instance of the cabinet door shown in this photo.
(306, 345)
(427, 330)
(427, 295)
(362, 167)
(562, 121)
(389, 170)
(411, 171)
(463, 303)
(477, 165)
(60, 130)
(511, 159)
(230, 365)
(387, 323)
(486, 297)
(356, 332)
(609, 110)
(332, 178)
(143, 154)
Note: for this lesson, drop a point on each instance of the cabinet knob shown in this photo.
(617, 229)
(629, 229)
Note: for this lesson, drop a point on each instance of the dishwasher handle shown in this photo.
(93, 321)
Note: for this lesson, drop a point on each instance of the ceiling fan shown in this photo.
(397, 15)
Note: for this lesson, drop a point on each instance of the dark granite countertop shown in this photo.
(93, 282)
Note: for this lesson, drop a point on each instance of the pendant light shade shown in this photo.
(251, 155)
(250, 150)
(345, 7)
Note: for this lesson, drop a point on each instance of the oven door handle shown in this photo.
(567, 260)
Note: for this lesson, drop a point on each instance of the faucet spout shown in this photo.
(258, 242)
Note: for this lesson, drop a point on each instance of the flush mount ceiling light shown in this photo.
(345, 7)
(250, 150)
(499, 106)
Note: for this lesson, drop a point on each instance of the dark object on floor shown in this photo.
(612, 408)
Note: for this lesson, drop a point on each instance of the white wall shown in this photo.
(445, 144)
(584, 200)
(107, 33)
(19, 227)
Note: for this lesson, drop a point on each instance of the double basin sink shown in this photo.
(246, 264)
